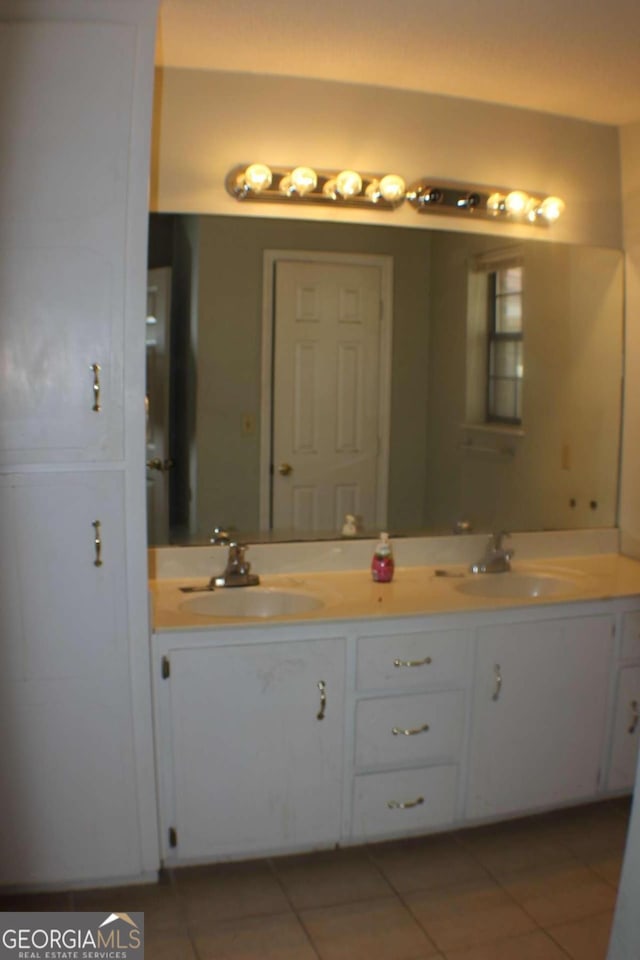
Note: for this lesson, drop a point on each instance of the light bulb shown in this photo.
(392, 187)
(516, 202)
(330, 189)
(349, 183)
(372, 191)
(532, 209)
(258, 177)
(304, 180)
(552, 208)
(286, 186)
(495, 203)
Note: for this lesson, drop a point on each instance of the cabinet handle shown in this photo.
(98, 543)
(409, 733)
(635, 716)
(412, 663)
(498, 675)
(406, 805)
(322, 687)
(96, 387)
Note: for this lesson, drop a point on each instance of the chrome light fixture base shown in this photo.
(486, 203)
(303, 185)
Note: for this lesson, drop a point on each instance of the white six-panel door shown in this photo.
(326, 395)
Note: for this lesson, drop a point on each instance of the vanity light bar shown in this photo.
(306, 185)
(257, 181)
(515, 206)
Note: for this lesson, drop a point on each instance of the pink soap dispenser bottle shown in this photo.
(382, 562)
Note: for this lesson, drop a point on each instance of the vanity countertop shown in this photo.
(414, 590)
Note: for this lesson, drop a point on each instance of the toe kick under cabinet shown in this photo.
(288, 737)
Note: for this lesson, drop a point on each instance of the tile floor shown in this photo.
(541, 888)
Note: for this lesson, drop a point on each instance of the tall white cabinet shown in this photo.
(77, 781)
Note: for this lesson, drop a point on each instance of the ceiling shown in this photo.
(571, 57)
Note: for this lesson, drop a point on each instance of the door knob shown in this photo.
(158, 464)
(285, 469)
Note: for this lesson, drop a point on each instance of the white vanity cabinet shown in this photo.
(625, 738)
(410, 717)
(254, 742)
(66, 752)
(76, 750)
(67, 109)
(431, 723)
(539, 715)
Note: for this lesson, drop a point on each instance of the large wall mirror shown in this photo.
(427, 330)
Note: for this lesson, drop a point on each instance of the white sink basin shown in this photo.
(513, 585)
(251, 602)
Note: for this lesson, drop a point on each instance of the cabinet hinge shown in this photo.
(165, 668)
(173, 837)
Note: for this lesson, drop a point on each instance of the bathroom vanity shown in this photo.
(392, 709)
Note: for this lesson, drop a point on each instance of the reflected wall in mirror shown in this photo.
(557, 469)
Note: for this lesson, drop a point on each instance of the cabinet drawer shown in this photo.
(411, 800)
(428, 658)
(399, 730)
(631, 636)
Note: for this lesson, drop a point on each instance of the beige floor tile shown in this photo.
(505, 851)
(585, 939)
(162, 910)
(560, 892)
(592, 831)
(322, 879)
(422, 864)
(370, 930)
(169, 946)
(229, 891)
(608, 868)
(469, 914)
(28, 902)
(256, 938)
(531, 946)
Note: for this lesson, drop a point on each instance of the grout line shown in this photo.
(294, 910)
(549, 931)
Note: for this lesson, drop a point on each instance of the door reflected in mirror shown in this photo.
(437, 459)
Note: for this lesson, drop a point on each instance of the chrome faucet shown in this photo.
(237, 572)
(496, 559)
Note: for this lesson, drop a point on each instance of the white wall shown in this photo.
(207, 122)
(630, 476)
(573, 303)
(625, 941)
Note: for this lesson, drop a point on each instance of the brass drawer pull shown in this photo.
(409, 733)
(322, 687)
(97, 543)
(635, 716)
(406, 805)
(498, 676)
(96, 387)
(412, 663)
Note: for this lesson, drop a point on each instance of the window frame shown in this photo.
(496, 338)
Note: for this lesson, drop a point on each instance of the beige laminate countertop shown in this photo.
(414, 590)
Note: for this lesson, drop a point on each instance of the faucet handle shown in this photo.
(219, 536)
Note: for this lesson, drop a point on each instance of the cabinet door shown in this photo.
(67, 789)
(257, 756)
(67, 99)
(626, 730)
(539, 714)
